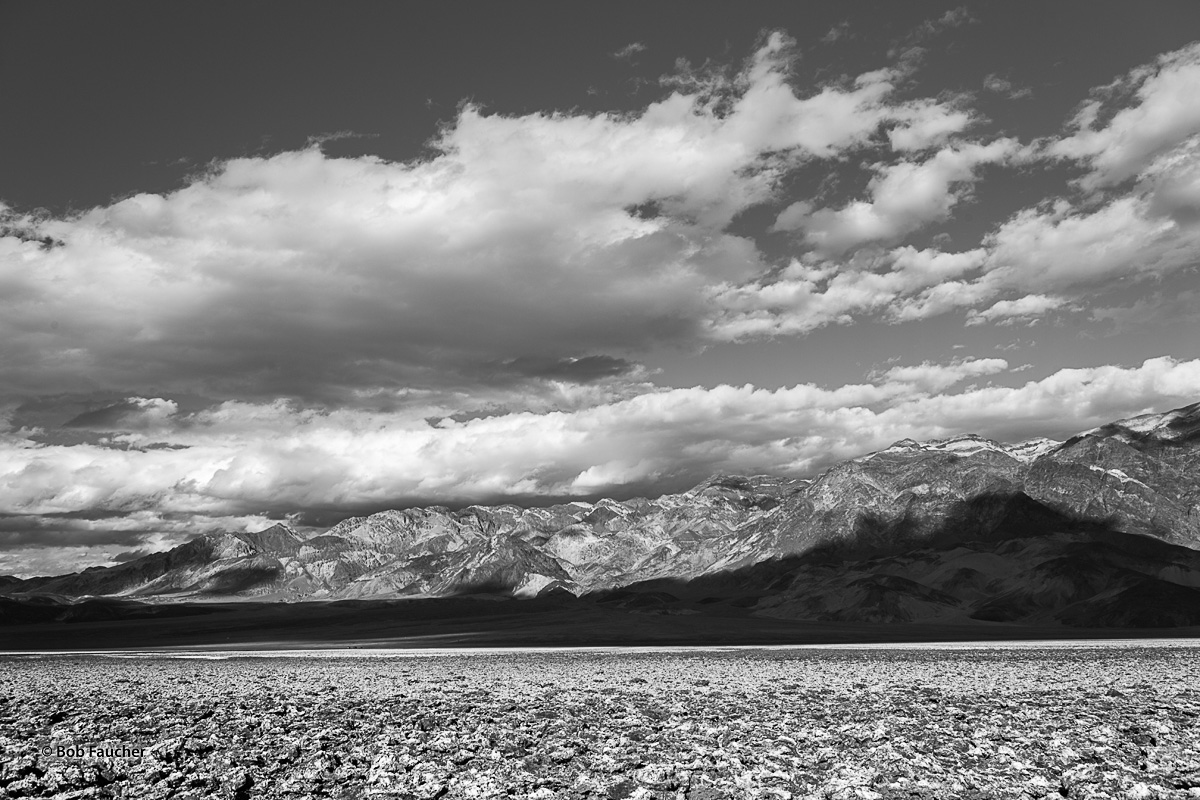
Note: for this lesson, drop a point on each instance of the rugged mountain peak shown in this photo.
(1137, 476)
(963, 445)
(967, 444)
(276, 540)
(232, 545)
(1177, 426)
(901, 446)
(1031, 449)
(744, 488)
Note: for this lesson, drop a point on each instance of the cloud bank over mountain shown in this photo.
(333, 333)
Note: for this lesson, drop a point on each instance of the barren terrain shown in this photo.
(1032, 720)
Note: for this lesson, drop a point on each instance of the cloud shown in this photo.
(953, 18)
(909, 50)
(1171, 184)
(994, 83)
(1138, 117)
(320, 139)
(927, 124)
(334, 279)
(134, 413)
(1031, 305)
(837, 32)
(305, 336)
(1061, 251)
(904, 197)
(243, 460)
(241, 466)
(902, 284)
(1064, 247)
(998, 85)
(929, 377)
(56, 544)
(629, 51)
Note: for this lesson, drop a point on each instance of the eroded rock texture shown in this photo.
(1026, 722)
(965, 528)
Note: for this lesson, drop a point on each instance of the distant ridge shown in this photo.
(1106, 523)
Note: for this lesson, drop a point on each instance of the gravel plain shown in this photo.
(1115, 720)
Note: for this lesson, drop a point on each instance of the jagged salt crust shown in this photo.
(1031, 722)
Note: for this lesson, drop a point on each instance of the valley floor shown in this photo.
(476, 622)
(988, 720)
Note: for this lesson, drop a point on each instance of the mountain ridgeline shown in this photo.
(1100, 530)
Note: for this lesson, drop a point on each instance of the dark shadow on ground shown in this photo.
(484, 622)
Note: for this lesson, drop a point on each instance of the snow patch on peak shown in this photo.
(963, 445)
(966, 444)
(1030, 449)
(1147, 423)
(902, 446)
(1169, 425)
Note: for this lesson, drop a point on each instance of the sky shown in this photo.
(295, 261)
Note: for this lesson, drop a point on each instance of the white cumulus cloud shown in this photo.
(546, 238)
(1163, 112)
(905, 196)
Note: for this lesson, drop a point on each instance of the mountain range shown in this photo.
(1102, 529)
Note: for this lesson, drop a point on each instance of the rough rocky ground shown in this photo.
(973, 722)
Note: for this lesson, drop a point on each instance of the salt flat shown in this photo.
(1076, 719)
(340, 651)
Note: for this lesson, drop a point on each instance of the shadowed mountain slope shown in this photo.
(961, 529)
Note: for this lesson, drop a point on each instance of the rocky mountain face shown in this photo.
(1082, 576)
(434, 551)
(1140, 474)
(956, 528)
